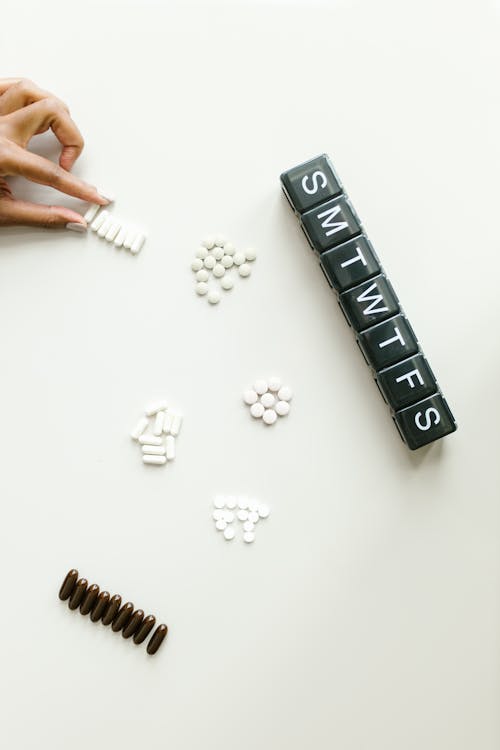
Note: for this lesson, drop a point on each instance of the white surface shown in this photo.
(377, 624)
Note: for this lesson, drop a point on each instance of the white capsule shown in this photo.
(158, 460)
(105, 227)
(219, 271)
(274, 384)
(202, 275)
(267, 400)
(158, 425)
(263, 510)
(196, 265)
(250, 397)
(218, 253)
(219, 240)
(239, 259)
(227, 261)
(148, 439)
(208, 243)
(243, 503)
(219, 502)
(269, 416)
(220, 525)
(99, 220)
(138, 243)
(154, 407)
(253, 516)
(231, 503)
(154, 450)
(260, 387)
(248, 537)
(228, 516)
(202, 253)
(250, 254)
(285, 393)
(112, 231)
(282, 408)
(129, 238)
(209, 262)
(91, 212)
(214, 297)
(139, 428)
(229, 248)
(176, 424)
(167, 422)
(248, 526)
(201, 288)
(244, 270)
(227, 283)
(242, 515)
(228, 534)
(120, 237)
(170, 447)
(257, 410)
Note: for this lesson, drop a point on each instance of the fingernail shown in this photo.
(107, 195)
(75, 226)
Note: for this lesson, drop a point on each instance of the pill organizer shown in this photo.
(368, 301)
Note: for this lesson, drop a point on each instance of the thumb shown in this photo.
(15, 213)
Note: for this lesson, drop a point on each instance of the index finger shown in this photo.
(6, 83)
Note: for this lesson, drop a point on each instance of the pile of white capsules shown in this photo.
(114, 230)
(156, 449)
(248, 512)
(268, 400)
(214, 260)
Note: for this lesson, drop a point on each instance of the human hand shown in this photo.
(25, 111)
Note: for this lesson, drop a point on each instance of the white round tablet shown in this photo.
(228, 516)
(231, 503)
(248, 526)
(243, 503)
(218, 253)
(229, 248)
(219, 502)
(208, 242)
(220, 525)
(229, 534)
(242, 515)
(250, 254)
(201, 287)
(253, 516)
(248, 537)
(227, 261)
(219, 270)
(213, 297)
(209, 262)
(218, 514)
(282, 408)
(220, 240)
(202, 275)
(257, 410)
(285, 393)
(269, 416)
(244, 270)
(267, 400)
(253, 506)
(250, 397)
(202, 253)
(263, 510)
(274, 384)
(227, 283)
(260, 387)
(239, 259)
(196, 264)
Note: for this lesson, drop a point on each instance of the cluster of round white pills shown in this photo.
(156, 451)
(268, 400)
(248, 512)
(114, 230)
(215, 258)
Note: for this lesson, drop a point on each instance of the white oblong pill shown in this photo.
(257, 410)
(219, 502)
(250, 254)
(285, 393)
(214, 297)
(229, 248)
(219, 240)
(267, 400)
(253, 506)
(139, 428)
(227, 261)
(242, 515)
(112, 231)
(269, 416)
(154, 450)
(228, 516)
(170, 447)
(274, 384)
(158, 425)
(253, 516)
(167, 422)
(202, 275)
(202, 253)
(105, 227)
(154, 407)
(244, 270)
(209, 262)
(228, 534)
(208, 243)
(263, 510)
(220, 525)
(129, 238)
(219, 271)
(243, 503)
(91, 212)
(99, 220)
(282, 408)
(231, 503)
(201, 288)
(239, 259)
(218, 253)
(260, 387)
(248, 537)
(176, 425)
(250, 397)
(227, 283)
(156, 460)
(120, 237)
(196, 265)
(148, 439)
(138, 243)
(248, 526)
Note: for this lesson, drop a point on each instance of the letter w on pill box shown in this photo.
(368, 301)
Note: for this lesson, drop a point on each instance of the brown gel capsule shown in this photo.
(122, 617)
(113, 607)
(157, 639)
(78, 593)
(100, 606)
(145, 629)
(68, 585)
(133, 624)
(90, 599)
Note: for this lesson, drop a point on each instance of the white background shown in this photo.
(367, 613)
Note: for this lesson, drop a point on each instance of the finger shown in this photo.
(19, 95)
(18, 161)
(6, 83)
(14, 213)
(22, 124)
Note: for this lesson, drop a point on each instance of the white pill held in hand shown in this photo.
(260, 387)
(214, 297)
(250, 397)
(285, 393)
(176, 425)
(219, 271)
(201, 288)
(155, 460)
(244, 270)
(227, 283)
(202, 253)
(250, 254)
(196, 265)
(248, 537)
(282, 408)
(239, 259)
(139, 428)
(202, 275)
(91, 212)
(148, 439)
(158, 425)
(257, 410)
(269, 416)
(267, 400)
(228, 534)
(274, 384)
(170, 447)
(155, 407)
(153, 450)
(120, 237)
(99, 220)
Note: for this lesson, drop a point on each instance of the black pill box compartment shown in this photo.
(388, 342)
(425, 421)
(407, 382)
(310, 183)
(350, 263)
(369, 303)
(331, 224)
